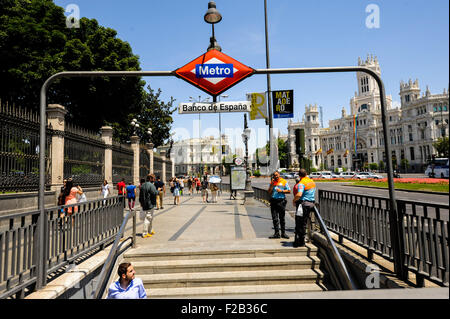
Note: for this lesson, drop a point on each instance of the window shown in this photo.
(407, 98)
(410, 137)
(308, 118)
(314, 117)
(411, 153)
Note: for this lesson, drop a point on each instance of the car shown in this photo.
(347, 175)
(335, 175)
(326, 174)
(366, 175)
(287, 175)
(315, 175)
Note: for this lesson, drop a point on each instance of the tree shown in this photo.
(282, 152)
(35, 44)
(442, 146)
(154, 114)
(381, 166)
(404, 163)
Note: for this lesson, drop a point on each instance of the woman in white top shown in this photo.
(105, 189)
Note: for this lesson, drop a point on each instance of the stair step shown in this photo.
(231, 278)
(227, 264)
(214, 253)
(229, 290)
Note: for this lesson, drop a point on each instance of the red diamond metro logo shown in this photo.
(214, 72)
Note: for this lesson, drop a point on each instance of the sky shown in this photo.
(411, 41)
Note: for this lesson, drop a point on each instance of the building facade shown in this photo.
(198, 155)
(355, 140)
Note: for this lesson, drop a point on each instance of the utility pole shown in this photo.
(268, 85)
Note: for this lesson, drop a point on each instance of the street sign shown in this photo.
(283, 104)
(259, 106)
(238, 161)
(215, 107)
(214, 72)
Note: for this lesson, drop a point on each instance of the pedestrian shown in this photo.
(214, 188)
(197, 184)
(81, 198)
(278, 189)
(190, 183)
(181, 182)
(70, 195)
(130, 191)
(176, 191)
(128, 286)
(161, 188)
(121, 188)
(205, 190)
(304, 201)
(147, 199)
(61, 196)
(105, 189)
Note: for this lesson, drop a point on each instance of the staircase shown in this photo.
(226, 269)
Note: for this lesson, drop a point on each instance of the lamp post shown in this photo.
(213, 16)
(191, 99)
(220, 141)
(245, 138)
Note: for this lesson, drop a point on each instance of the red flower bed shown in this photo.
(415, 180)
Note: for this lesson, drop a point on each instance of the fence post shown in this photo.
(107, 134)
(401, 211)
(135, 148)
(55, 120)
(163, 170)
(150, 155)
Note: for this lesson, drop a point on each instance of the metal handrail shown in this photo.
(338, 262)
(106, 270)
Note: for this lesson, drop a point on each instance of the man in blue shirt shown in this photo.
(278, 189)
(127, 287)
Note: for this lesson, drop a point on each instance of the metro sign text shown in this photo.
(214, 72)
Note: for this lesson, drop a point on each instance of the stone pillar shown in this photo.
(55, 119)
(107, 134)
(173, 166)
(135, 148)
(150, 155)
(163, 157)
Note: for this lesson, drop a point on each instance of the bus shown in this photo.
(440, 168)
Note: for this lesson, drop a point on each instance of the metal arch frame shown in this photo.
(395, 230)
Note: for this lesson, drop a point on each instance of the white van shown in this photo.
(441, 168)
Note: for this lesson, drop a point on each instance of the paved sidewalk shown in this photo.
(195, 221)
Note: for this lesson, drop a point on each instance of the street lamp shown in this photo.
(245, 138)
(213, 16)
(191, 99)
(220, 139)
(135, 125)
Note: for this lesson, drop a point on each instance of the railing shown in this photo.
(113, 254)
(19, 150)
(364, 220)
(122, 163)
(84, 157)
(92, 225)
(345, 279)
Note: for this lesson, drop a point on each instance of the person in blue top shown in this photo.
(278, 189)
(131, 195)
(127, 287)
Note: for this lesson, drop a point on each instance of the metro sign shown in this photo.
(214, 72)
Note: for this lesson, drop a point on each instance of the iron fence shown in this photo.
(144, 162)
(365, 221)
(84, 156)
(157, 165)
(169, 173)
(122, 163)
(91, 225)
(19, 150)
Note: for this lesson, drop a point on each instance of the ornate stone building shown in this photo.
(197, 155)
(355, 140)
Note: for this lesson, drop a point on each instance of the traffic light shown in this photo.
(300, 141)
